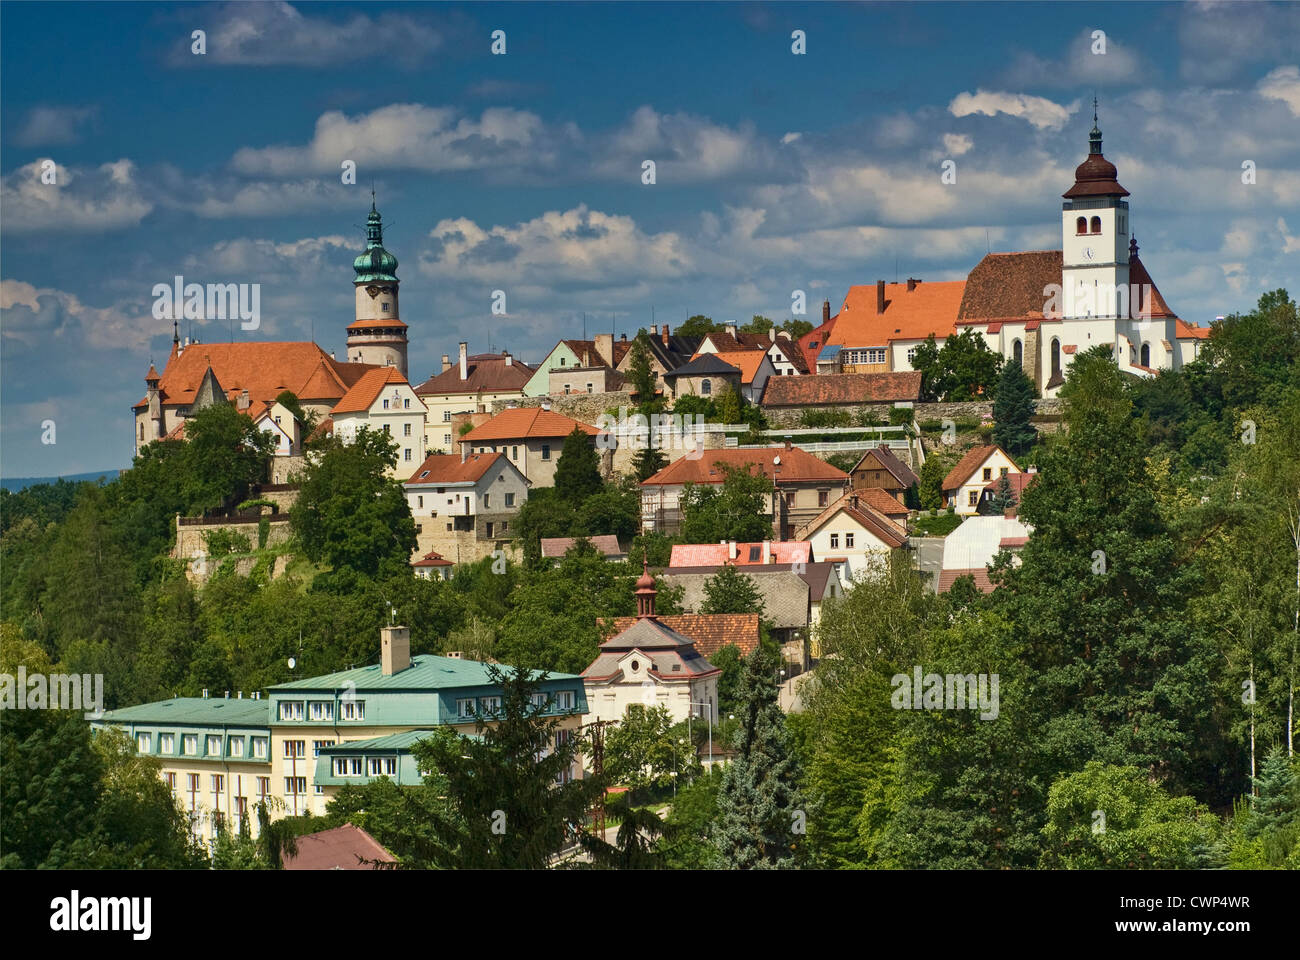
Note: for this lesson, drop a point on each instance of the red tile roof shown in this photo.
(882, 502)
(710, 632)
(966, 467)
(746, 361)
(1018, 482)
(929, 308)
(1009, 286)
(588, 347)
(747, 554)
(981, 575)
(1137, 275)
(440, 469)
(890, 463)
(526, 422)
(1095, 177)
(263, 368)
(886, 530)
(607, 544)
(842, 388)
(366, 390)
(487, 372)
(342, 848)
(811, 343)
(795, 464)
(433, 559)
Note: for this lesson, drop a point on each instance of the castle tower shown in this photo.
(377, 335)
(1095, 239)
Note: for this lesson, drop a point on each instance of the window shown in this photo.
(706, 387)
(988, 473)
(566, 388)
(406, 429)
(539, 701)
(263, 788)
(390, 766)
(1096, 224)
(295, 749)
(464, 708)
(142, 742)
(1056, 357)
(386, 306)
(193, 779)
(317, 744)
(1018, 352)
(419, 502)
(236, 745)
(789, 498)
(406, 454)
(446, 416)
(340, 766)
(170, 778)
(385, 403)
(973, 498)
(835, 541)
(218, 784)
(848, 541)
(318, 789)
(489, 705)
(446, 438)
(510, 499)
(295, 785)
(589, 390)
(546, 451)
(142, 430)
(290, 709)
(387, 427)
(514, 453)
(190, 744)
(565, 700)
(354, 766)
(406, 403)
(321, 710)
(375, 766)
(1081, 225)
(911, 354)
(823, 498)
(166, 743)
(1146, 354)
(259, 748)
(1003, 471)
(354, 710)
(487, 499)
(488, 531)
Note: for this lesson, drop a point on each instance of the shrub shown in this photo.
(900, 415)
(825, 418)
(222, 541)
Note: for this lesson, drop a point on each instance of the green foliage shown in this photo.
(930, 488)
(643, 752)
(964, 368)
(731, 510)
(648, 461)
(226, 454)
(698, 326)
(577, 474)
(1003, 497)
(1143, 826)
(503, 808)
(350, 514)
(899, 416)
(729, 660)
(687, 844)
(730, 591)
(810, 417)
(1012, 410)
(289, 400)
(223, 541)
(761, 812)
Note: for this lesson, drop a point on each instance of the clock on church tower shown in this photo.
(1094, 238)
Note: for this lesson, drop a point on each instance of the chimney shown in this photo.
(911, 284)
(880, 296)
(605, 348)
(665, 334)
(731, 549)
(730, 328)
(771, 334)
(464, 357)
(767, 552)
(826, 311)
(464, 451)
(446, 363)
(242, 404)
(789, 444)
(622, 338)
(395, 649)
(654, 329)
(510, 361)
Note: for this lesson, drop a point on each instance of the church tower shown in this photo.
(378, 334)
(1095, 238)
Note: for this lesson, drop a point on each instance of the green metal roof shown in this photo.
(394, 741)
(196, 711)
(426, 672)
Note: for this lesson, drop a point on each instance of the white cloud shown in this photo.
(268, 34)
(1282, 84)
(53, 126)
(956, 144)
(1219, 41)
(406, 136)
(81, 200)
(43, 318)
(1077, 65)
(1042, 113)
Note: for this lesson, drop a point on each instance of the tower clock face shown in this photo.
(1089, 253)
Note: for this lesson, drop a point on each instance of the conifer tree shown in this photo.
(1012, 411)
(577, 474)
(761, 812)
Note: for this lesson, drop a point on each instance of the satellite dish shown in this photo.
(776, 461)
(292, 663)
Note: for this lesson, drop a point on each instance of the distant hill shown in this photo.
(18, 483)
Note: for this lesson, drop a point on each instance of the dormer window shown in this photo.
(1096, 224)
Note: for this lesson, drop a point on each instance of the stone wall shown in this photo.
(789, 417)
(586, 407)
(282, 468)
(189, 536)
(284, 495)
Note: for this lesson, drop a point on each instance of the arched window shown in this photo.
(1018, 352)
(1056, 357)
(1096, 224)
(1081, 225)
(706, 387)
(1146, 354)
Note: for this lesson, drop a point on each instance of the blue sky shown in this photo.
(775, 172)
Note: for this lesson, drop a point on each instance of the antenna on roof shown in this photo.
(986, 240)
